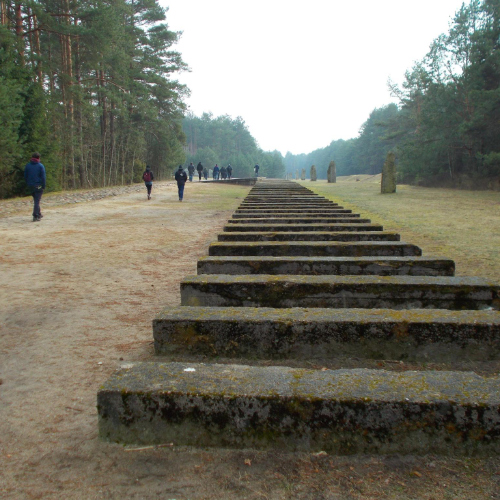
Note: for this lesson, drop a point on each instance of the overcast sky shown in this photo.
(301, 73)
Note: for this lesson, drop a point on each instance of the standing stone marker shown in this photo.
(313, 173)
(303, 176)
(297, 174)
(388, 184)
(332, 172)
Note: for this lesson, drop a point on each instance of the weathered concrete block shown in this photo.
(341, 411)
(309, 236)
(287, 205)
(296, 214)
(341, 266)
(388, 184)
(303, 211)
(259, 227)
(332, 172)
(274, 193)
(303, 175)
(315, 248)
(302, 220)
(244, 181)
(317, 334)
(375, 292)
(314, 175)
(301, 197)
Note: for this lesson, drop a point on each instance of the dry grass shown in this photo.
(462, 225)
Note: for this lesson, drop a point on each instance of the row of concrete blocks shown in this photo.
(286, 284)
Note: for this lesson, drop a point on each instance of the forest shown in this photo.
(225, 140)
(89, 85)
(92, 86)
(445, 127)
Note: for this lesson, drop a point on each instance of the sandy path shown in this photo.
(77, 296)
(79, 291)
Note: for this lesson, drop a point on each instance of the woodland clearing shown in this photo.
(78, 291)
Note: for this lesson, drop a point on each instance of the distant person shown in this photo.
(181, 178)
(223, 173)
(34, 175)
(256, 168)
(216, 172)
(191, 171)
(205, 173)
(148, 178)
(199, 169)
(229, 171)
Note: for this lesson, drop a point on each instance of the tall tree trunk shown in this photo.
(37, 50)
(68, 77)
(20, 31)
(79, 114)
(3, 13)
(104, 127)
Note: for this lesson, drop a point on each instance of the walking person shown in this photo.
(34, 175)
(199, 169)
(223, 173)
(215, 172)
(205, 173)
(191, 171)
(229, 171)
(256, 168)
(181, 178)
(148, 178)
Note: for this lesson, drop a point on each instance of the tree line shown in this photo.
(89, 85)
(224, 140)
(92, 86)
(445, 128)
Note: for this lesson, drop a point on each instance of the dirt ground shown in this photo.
(78, 291)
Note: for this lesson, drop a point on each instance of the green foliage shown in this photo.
(448, 128)
(224, 140)
(362, 155)
(89, 85)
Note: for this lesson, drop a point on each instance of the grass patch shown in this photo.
(462, 225)
(215, 196)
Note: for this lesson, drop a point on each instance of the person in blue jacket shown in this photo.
(215, 172)
(34, 175)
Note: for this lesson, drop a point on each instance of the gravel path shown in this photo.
(13, 206)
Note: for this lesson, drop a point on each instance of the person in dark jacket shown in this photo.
(205, 173)
(229, 171)
(256, 168)
(148, 178)
(34, 175)
(199, 169)
(181, 178)
(191, 171)
(223, 173)
(215, 172)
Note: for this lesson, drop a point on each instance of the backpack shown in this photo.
(147, 176)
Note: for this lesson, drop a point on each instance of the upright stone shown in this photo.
(297, 174)
(332, 172)
(303, 176)
(313, 173)
(388, 184)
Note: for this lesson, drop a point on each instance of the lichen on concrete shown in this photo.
(342, 411)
